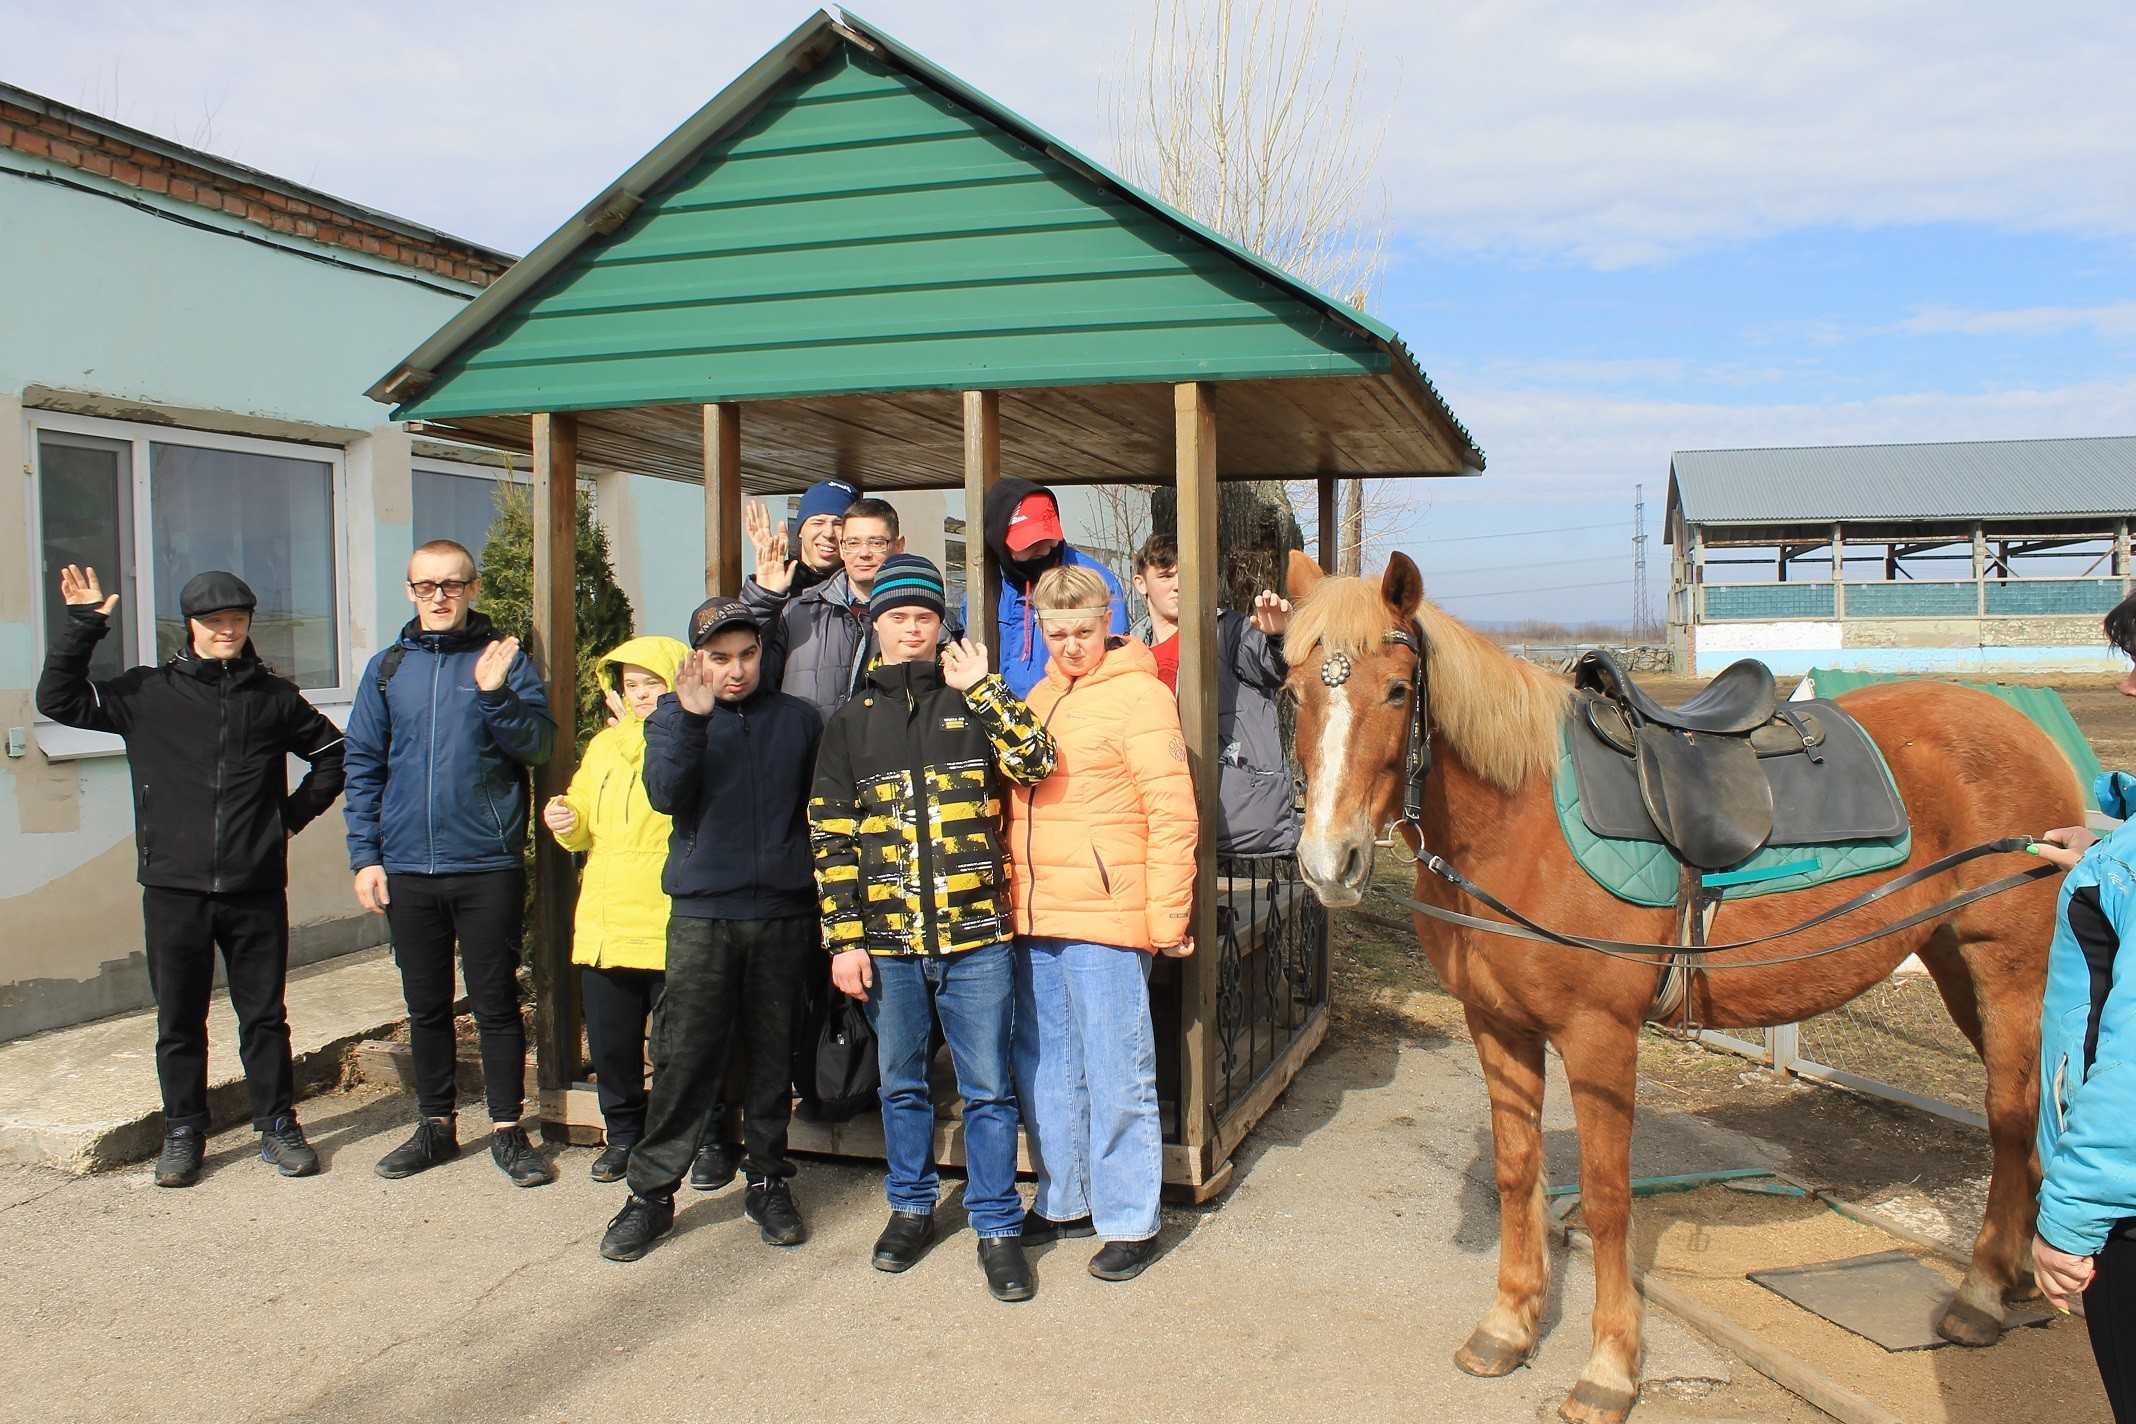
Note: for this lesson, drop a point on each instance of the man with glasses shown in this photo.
(817, 642)
(446, 723)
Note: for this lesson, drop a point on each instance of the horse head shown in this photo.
(1351, 683)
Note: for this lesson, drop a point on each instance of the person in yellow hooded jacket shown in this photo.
(619, 939)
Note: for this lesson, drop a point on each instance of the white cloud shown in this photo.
(1615, 131)
(2114, 319)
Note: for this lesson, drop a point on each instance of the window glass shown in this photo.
(457, 507)
(269, 520)
(85, 492)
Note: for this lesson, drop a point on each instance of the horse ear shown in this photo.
(1304, 574)
(1402, 586)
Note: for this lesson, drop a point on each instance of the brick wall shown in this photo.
(50, 135)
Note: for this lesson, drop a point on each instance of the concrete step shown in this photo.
(85, 1099)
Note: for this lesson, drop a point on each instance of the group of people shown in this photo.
(827, 778)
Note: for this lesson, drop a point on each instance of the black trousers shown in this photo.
(183, 931)
(484, 914)
(2110, 1317)
(726, 980)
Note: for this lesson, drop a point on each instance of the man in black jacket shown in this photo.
(207, 737)
(730, 759)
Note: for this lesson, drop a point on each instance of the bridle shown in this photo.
(1416, 756)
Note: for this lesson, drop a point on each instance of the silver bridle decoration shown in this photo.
(1335, 669)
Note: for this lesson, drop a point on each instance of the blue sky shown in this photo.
(1617, 227)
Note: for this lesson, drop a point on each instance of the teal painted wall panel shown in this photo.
(863, 233)
(1758, 602)
(2022, 597)
(1913, 600)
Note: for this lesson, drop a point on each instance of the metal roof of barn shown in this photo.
(1969, 480)
(847, 237)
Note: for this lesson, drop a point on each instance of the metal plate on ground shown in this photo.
(1889, 1297)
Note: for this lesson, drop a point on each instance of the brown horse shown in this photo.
(1971, 769)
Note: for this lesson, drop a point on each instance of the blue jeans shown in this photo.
(971, 993)
(1086, 1073)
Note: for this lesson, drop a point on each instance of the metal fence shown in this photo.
(1272, 967)
(1895, 1042)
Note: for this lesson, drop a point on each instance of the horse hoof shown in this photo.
(1596, 1404)
(1488, 1357)
(1964, 1323)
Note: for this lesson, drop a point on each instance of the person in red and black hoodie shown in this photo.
(207, 735)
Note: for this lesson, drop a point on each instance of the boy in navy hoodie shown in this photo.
(730, 759)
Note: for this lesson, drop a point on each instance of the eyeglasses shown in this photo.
(875, 545)
(451, 588)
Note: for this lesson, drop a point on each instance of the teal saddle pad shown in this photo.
(1646, 872)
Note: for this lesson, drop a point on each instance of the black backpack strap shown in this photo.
(390, 664)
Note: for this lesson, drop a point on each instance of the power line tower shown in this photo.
(1642, 619)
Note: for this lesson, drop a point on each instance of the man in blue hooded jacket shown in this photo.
(446, 722)
(1023, 526)
(2086, 1241)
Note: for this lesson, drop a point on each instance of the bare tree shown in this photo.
(1248, 116)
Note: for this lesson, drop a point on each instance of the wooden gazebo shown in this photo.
(851, 263)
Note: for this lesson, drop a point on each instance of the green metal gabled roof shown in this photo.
(847, 218)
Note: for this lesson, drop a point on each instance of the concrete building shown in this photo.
(184, 347)
(1977, 558)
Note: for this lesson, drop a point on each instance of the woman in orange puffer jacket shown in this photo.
(1101, 865)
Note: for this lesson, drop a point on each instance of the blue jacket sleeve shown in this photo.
(517, 715)
(674, 759)
(1119, 599)
(2115, 791)
(363, 762)
(2088, 1183)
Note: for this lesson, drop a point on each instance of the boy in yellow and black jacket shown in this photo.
(905, 821)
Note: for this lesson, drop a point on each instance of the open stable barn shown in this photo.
(1979, 557)
(851, 263)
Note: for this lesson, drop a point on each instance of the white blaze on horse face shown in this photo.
(1335, 824)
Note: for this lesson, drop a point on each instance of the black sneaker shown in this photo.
(516, 1158)
(642, 1221)
(903, 1241)
(178, 1165)
(613, 1165)
(771, 1206)
(714, 1166)
(1123, 1260)
(436, 1140)
(1040, 1230)
(283, 1144)
(1008, 1273)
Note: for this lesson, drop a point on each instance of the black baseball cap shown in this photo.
(215, 591)
(717, 615)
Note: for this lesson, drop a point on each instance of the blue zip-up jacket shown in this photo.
(436, 767)
(737, 783)
(1021, 654)
(2087, 1132)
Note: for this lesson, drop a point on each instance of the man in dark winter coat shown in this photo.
(729, 758)
(817, 638)
(1256, 803)
(207, 735)
(1023, 527)
(446, 722)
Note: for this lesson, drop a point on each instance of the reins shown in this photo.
(1417, 770)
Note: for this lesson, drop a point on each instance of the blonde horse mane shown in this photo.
(1501, 715)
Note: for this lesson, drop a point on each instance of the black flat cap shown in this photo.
(717, 615)
(215, 592)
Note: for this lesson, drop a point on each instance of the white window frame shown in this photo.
(59, 742)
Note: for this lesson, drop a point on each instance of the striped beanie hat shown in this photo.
(906, 581)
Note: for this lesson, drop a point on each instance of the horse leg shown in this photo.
(1990, 993)
(1601, 1059)
(1513, 1069)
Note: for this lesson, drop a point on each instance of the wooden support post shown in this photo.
(1200, 579)
(723, 499)
(1839, 571)
(1330, 525)
(554, 650)
(982, 467)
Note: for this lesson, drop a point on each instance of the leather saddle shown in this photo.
(1728, 772)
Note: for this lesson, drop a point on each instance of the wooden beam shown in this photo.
(982, 468)
(1200, 580)
(723, 499)
(554, 650)
(1330, 533)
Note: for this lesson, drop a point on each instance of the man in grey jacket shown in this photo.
(1257, 805)
(817, 639)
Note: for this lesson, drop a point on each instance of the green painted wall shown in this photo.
(864, 233)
